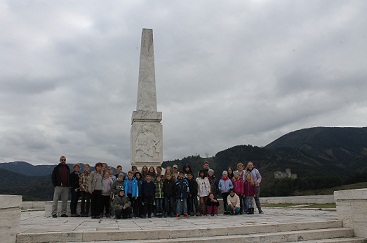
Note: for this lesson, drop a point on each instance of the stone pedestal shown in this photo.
(9, 217)
(351, 207)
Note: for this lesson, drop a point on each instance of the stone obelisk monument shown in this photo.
(146, 129)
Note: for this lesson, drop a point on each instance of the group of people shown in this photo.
(148, 192)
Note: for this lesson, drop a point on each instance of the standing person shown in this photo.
(158, 170)
(74, 190)
(169, 189)
(106, 194)
(213, 182)
(212, 204)
(159, 197)
(241, 170)
(117, 184)
(119, 171)
(239, 188)
(249, 193)
(95, 188)
(257, 179)
(225, 184)
(175, 171)
(112, 176)
(152, 173)
(230, 172)
(233, 200)
(203, 191)
(134, 169)
(144, 171)
(85, 196)
(187, 169)
(131, 187)
(148, 191)
(206, 168)
(138, 202)
(60, 180)
(182, 190)
(192, 197)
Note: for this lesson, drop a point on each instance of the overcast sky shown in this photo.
(227, 72)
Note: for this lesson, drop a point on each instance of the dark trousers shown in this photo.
(148, 205)
(224, 196)
(74, 200)
(106, 202)
(192, 204)
(159, 205)
(257, 198)
(169, 205)
(96, 203)
(138, 207)
(85, 203)
(242, 203)
(124, 213)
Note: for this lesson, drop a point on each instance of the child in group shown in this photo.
(159, 196)
(212, 205)
(203, 191)
(169, 188)
(106, 193)
(118, 184)
(121, 205)
(238, 186)
(192, 199)
(131, 187)
(249, 193)
(225, 184)
(187, 169)
(152, 173)
(148, 191)
(182, 191)
(138, 201)
(213, 182)
(233, 201)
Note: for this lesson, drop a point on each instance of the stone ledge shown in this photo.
(10, 201)
(356, 194)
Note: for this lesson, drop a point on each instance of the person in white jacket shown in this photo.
(203, 191)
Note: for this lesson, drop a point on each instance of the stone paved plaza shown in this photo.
(36, 222)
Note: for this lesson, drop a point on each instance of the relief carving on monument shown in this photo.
(147, 144)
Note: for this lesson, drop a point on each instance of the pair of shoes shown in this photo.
(261, 212)
(177, 215)
(54, 216)
(93, 217)
(149, 216)
(98, 217)
(64, 215)
(197, 213)
(212, 214)
(186, 215)
(108, 216)
(75, 215)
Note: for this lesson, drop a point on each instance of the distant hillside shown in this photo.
(31, 187)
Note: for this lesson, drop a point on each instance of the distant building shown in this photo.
(287, 174)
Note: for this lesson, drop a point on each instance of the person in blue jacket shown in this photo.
(131, 187)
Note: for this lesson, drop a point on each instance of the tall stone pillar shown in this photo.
(146, 145)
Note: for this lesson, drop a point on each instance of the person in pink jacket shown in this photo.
(239, 188)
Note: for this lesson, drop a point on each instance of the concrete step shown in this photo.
(336, 240)
(290, 231)
(291, 236)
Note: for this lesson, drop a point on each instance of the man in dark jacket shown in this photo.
(61, 182)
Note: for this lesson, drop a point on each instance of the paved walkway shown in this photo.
(36, 222)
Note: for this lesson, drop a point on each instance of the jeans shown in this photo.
(124, 213)
(148, 205)
(178, 205)
(64, 193)
(159, 205)
(138, 207)
(106, 205)
(193, 204)
(224, 196)
(74, 200)
(96, 203)
(257, 198)
(230, 210)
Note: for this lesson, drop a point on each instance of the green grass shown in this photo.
(330, 191)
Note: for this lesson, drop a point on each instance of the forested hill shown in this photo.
(312, 152)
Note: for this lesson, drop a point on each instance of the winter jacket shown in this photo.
(193, 187)
(182, 188)
(134, 187)
(56, 175)
(83, 181)
(158, 189)
(118, 202)
(225, 185)
(117, 186)
(238, 186)
(250, 190)
(203, 182)
(148, 189)
(94, 181)
(169, 188)
(213, 184)
(74, 180)
(210, 203)
(255, 175)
